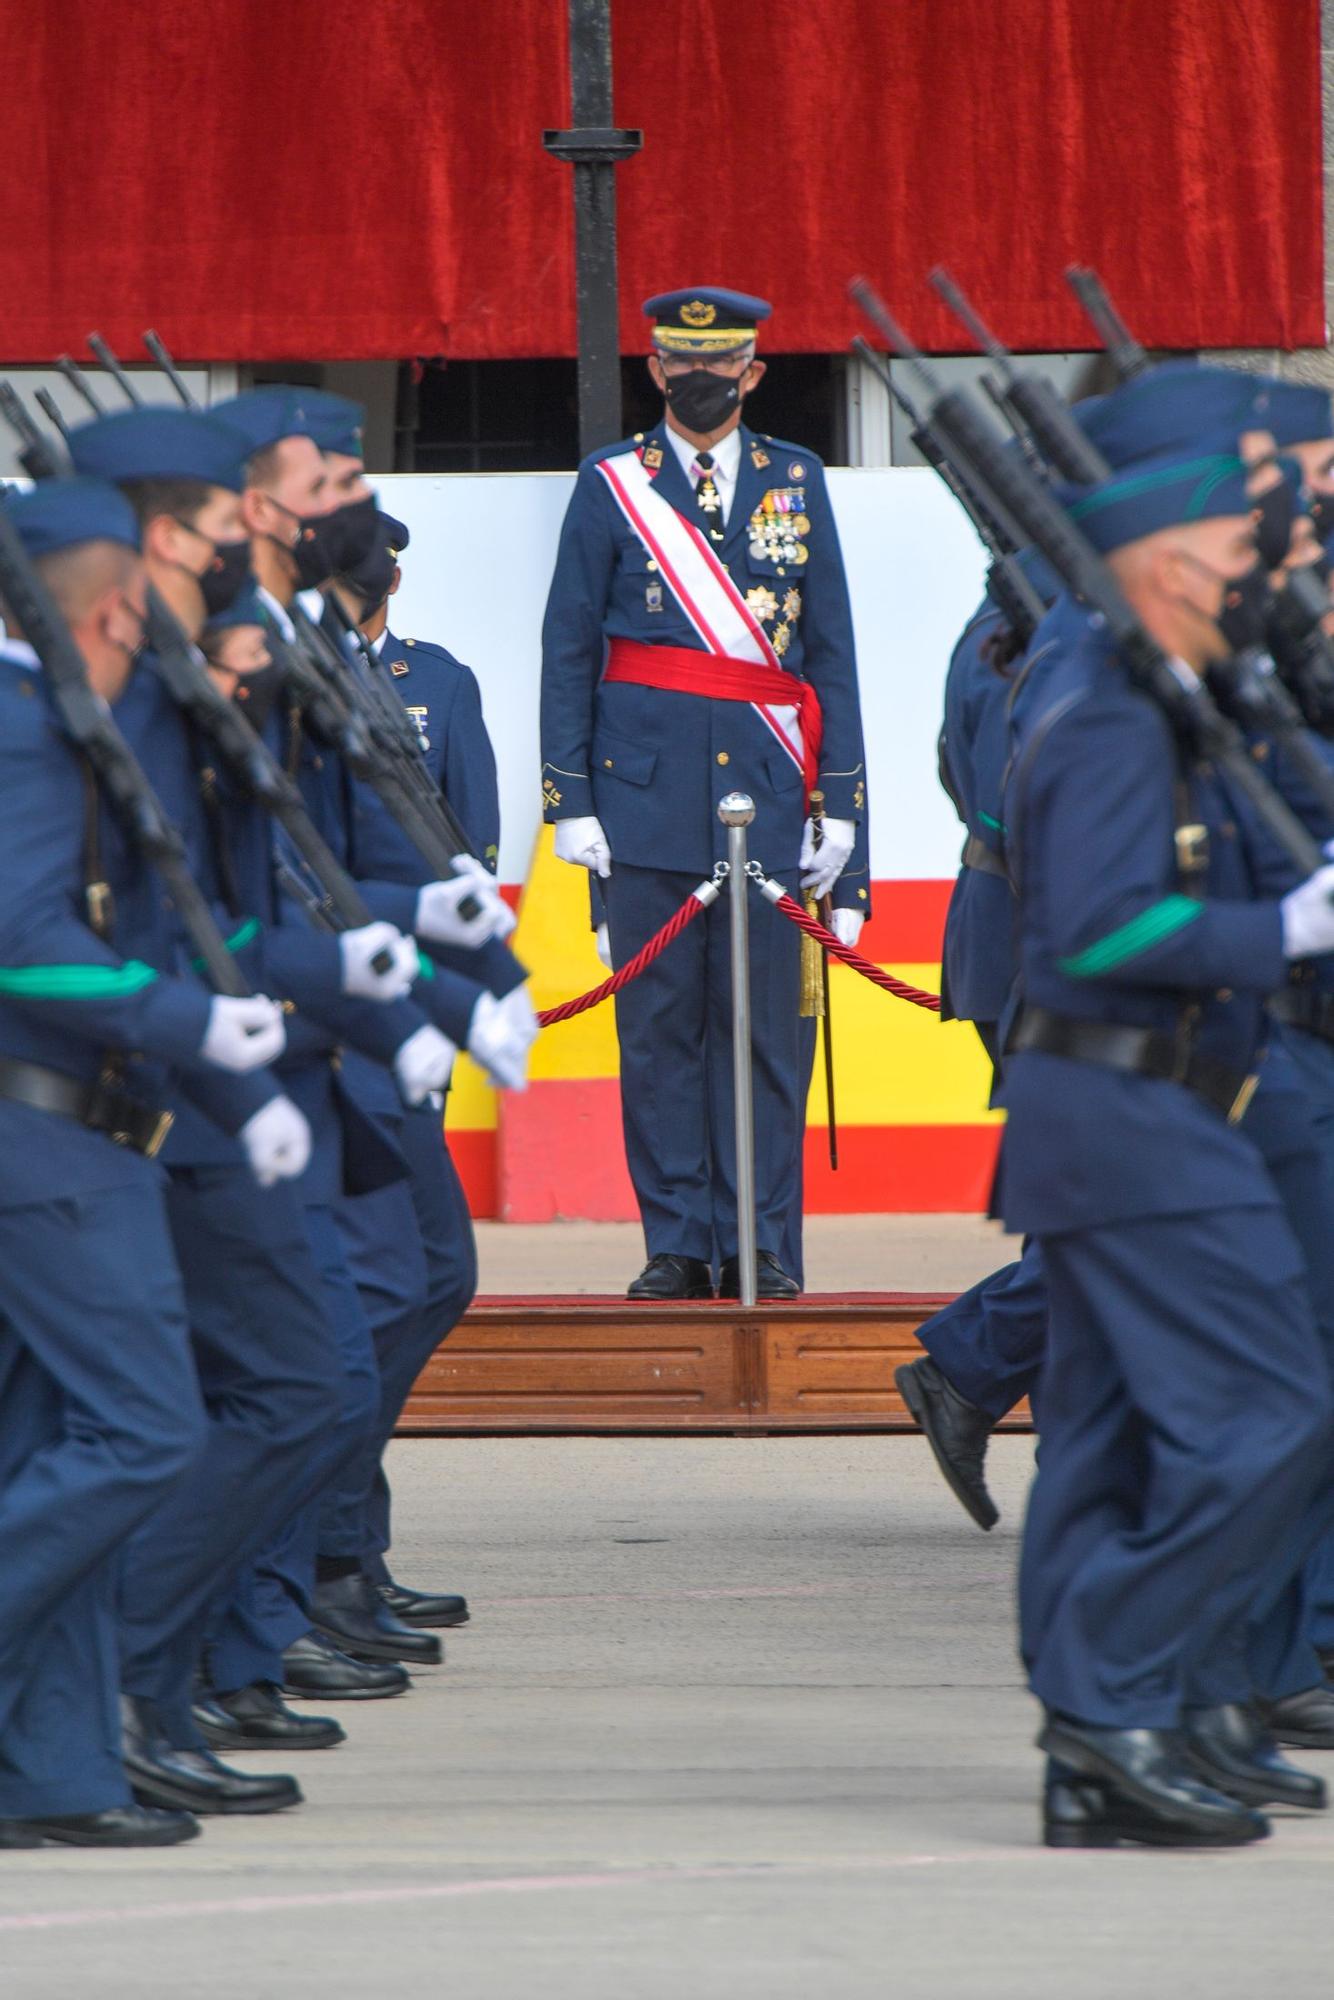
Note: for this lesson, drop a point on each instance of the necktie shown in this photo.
(708, 499)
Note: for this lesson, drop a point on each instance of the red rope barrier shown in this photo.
(879, 977)
(696, 901)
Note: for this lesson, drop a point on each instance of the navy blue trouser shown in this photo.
(272, 1384)
(675, 1029)
(102, 1422)
(411, 1251)
(1186, 1422)
(269, 1606)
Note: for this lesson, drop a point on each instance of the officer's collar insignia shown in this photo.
(699, 313)
(758, 457)
(398, 666)
(653, 458)
(796, 470)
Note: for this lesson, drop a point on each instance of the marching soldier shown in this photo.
(698, 641)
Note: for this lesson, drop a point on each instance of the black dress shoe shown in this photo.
(255, 1718)
(771, 1280)
(350, 1611)
(315, 1670)
(669, 1277)
(162, 1773)
(1083, 1812)
(116, 1826)
(1230, 1748)
(1305, 1719)
(1147, 1768)
(957, 1432)
(423, 1607)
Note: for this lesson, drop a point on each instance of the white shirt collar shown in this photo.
(19, 654)
(726, 458)
(278, 612)
(312, 603)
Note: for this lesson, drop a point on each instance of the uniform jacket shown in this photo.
(978, 961)
(1108, 933)
(443, 699)
(653, 765)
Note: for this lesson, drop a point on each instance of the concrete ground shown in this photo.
(736, 1719)
(844, 1253)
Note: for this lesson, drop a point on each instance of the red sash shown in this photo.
(683, 670)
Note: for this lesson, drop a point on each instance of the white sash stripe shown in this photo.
(699, 583)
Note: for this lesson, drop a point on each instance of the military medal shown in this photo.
(762, 602)
(653, 597)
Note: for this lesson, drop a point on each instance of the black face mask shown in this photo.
(226, 577)
(701, 400)
(372, 579)
(315, 552)
(350, 533)
(258, 692)
(1246, 608)
(1273, 530)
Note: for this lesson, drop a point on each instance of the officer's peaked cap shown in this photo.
(391, 534)
(160, 443)
(1165, 492)
(61, 513)
(704, 319)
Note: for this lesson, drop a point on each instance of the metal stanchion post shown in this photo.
(736, 812)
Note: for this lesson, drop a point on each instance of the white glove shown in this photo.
(847, 926)
(243, 1034)
(1308, 916)
(277, 1142)
(604, 947)
(423, 1064)
(438, 917)
(357, 948)
(824, 865)
(583, 842)
(499, 1038)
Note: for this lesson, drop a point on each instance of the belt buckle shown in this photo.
(157, 1138)
(1240, 1104)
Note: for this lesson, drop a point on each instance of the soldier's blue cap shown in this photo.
(1165, 492)
(160, 443)
(1296, 412)
(266, 416)
(391, 533)
(246, 608)
(60, 513)
(704, 319)
(335, 422)
(1179, 406)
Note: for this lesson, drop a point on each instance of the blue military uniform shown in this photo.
(652, 765)
(1177, 1290)
(444, 703)
(103, 1411)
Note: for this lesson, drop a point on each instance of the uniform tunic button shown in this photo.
(723, 757)
(606, 764)
(651, 565)
(1223, 993)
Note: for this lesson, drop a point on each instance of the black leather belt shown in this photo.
(102, 1107)
(1137, 1051)
(977, 855)
(1308, 1007)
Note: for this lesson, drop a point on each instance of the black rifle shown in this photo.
(1020, 604)
(1124, 352)
(1030, 401)
(79, 382)
(157, 347)
(89, 726)
(51, 410)
(35, 454)
(968, 434)
(107, 360)
(186, 678)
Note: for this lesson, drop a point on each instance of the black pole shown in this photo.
(593, 147)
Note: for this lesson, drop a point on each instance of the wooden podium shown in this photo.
(825, 1362)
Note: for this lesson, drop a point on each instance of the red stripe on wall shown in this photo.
(903, 1169)
(907, 922)
(474, 1155)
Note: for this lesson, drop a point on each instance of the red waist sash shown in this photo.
(683, 670)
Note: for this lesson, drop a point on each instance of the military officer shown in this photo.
(697, 641)
(103, 1414)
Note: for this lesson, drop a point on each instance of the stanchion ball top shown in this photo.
(737, 809)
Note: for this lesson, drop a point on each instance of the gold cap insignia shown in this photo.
(699, 313)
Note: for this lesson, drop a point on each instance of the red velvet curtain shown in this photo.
(336, 179)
